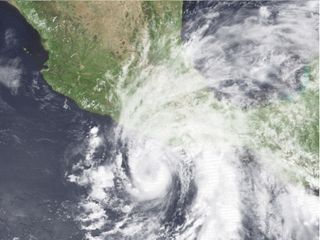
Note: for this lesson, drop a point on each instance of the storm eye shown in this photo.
(149, 171)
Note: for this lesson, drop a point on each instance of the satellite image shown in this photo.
(159, 120)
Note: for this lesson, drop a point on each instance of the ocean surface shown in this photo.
(177, 165)
(37, 127)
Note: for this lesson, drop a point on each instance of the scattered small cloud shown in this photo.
(10, 38)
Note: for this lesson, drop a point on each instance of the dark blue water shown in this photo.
(43, 134)
(37, 140)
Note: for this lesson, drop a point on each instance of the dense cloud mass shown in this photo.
(253, 51)
(183, 160)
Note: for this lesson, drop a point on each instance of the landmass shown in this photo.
(89, 42)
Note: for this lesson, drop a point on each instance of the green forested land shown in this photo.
(81, 65)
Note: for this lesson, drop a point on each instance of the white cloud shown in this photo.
(10, 74)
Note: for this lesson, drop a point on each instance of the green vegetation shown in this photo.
(90, 42)
(164, 27)
(291, 130)
(86, 52)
